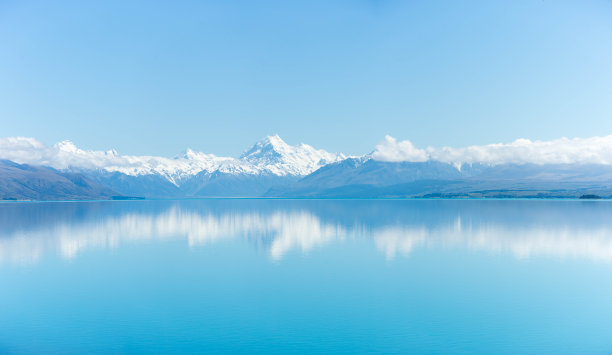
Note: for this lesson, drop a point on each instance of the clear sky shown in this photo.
(149, 77)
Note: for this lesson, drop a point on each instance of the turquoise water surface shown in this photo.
(306, 276)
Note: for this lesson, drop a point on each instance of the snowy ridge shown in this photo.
(268, 156)
(273, 155)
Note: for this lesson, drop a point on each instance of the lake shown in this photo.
(306, 276)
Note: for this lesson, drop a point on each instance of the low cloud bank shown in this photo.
(62, 155)
(66, 156)
(595, 150)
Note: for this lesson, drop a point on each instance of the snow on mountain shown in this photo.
(268, 156)
(272, 154)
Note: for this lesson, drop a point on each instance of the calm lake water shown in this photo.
(306, 276)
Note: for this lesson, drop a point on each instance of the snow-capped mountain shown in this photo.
(268, 156)
(273, 155)
(271, 167)
(269, 162)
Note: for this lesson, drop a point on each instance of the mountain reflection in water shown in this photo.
(565, 229)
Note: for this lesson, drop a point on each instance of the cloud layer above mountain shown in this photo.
(595, 150)
(65, 155)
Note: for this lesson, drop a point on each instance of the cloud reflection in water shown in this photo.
(395, 229)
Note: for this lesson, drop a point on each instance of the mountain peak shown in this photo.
(267, 148)
(187, 154)
(194, 156)
(272, 154)
(274, 140)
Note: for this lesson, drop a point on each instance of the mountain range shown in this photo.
(27, 182)
(272, 168)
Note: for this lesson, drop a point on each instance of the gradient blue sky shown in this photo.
(158, 77)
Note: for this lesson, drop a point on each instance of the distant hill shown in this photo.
(361, 178)
(27, 182)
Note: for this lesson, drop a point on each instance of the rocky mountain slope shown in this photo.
(26, 182)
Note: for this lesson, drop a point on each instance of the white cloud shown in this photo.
(393, 151)
(62, 155)
(65, 155)
(595, 150)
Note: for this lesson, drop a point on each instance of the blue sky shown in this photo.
(149, 77)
